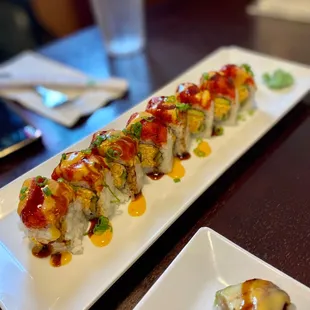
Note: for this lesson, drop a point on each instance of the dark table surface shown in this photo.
(263, 201)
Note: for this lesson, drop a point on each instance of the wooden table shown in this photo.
(263, 202)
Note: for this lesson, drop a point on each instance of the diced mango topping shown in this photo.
(243, 93)
(222, 108)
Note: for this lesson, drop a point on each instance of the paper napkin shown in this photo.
(18, 75)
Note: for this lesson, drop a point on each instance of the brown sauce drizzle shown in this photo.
(93, 223)
(42, 251)
(184, 156)
(155, 175)
(56, 260)
(32, 215)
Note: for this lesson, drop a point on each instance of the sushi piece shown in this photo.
(155, 142)
(255, 294)
(174, 115)
(121, 154)
(245, 87)
(51, 212)
(200, 115)
(84, 170)
(223, 94)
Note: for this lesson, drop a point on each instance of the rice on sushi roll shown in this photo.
(51, 213)
(243, 79)
(174, 115)
(201, 112)
(121, 154)
(155, 142)
(253, 294)
(223, 94)
(84, 170)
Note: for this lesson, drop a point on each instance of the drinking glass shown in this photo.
(122, 25)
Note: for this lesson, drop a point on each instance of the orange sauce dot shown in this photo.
(178, 171)
(203, 149)
(137, 207)
(101, 240)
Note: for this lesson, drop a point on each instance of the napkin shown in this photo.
(297, 10)
(29, 68)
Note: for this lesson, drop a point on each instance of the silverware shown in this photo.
(51, 98)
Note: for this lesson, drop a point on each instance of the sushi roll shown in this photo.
(120, 151)
(245, 87)
(84, 170)
(155, 142)
(174, 115)
(253, 294)
(51, 214)
(222, 92)
(200, 115)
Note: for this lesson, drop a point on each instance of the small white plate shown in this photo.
(210, 262)
(79, 284)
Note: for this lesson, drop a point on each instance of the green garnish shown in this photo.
(22, 193)
(135, 130)
(60, 180)
(176, 180)
(64, 156)
(218, 131)
(248, 69)
(75, 188)
(46, 190)
(278, 79)
(23, 189)
(99, 139)
(116, 198)
(199, 153)
(182, 106)
(240, 117)
(41, 181)
(148, 118)
(251, 112)
(86, 151)
(102, 225)
(113, 154)
(198, 140)
(205, 76)
(113, 137)
(171, 99)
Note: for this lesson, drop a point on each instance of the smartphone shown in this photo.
(15, 133)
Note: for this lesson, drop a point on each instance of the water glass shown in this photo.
(122, 25)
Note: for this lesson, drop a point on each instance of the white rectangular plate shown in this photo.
(208, 263)
(87, 277)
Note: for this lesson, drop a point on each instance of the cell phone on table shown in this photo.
(15, 133)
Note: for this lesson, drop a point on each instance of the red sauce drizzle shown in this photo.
(187, 93)
(154, 131)
(61, 203)
(230, 70)
(32, 215)
(159, 107)
(184, 156)
(152, 128)
(124, 144)
(219, 85)
(94, 165)
(155, 176)
(56, 260)
(42, 252)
